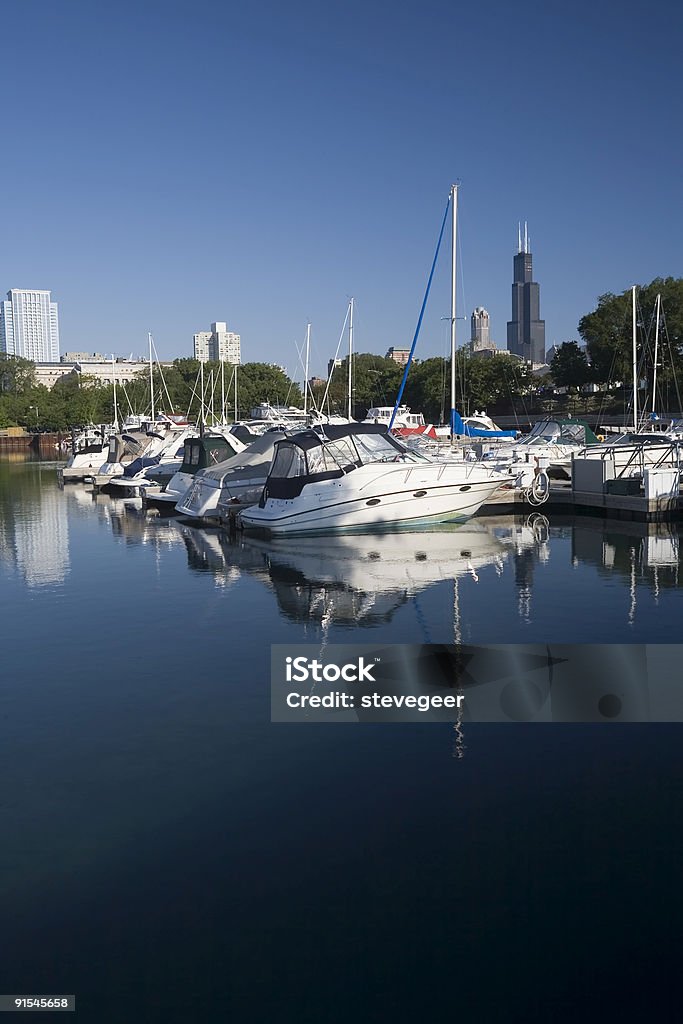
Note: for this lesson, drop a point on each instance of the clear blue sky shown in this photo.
(165, 165)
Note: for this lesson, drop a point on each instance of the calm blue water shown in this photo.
(170, 855)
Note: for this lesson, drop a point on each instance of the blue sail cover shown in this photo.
(461, 428)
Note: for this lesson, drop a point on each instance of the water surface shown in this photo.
(170, 855)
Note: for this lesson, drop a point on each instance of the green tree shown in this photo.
(374, 381)
(426, 389)
(570, 367)
(263, 382)
(608, 334)
(16, 374)
(491, 381)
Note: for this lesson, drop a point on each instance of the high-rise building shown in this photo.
(479, 336)
(219, 345)
(526, 331)
(29, 325)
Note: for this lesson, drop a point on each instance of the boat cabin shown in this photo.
(309, 457)
(382, 414)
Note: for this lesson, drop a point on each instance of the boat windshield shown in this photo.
(337, 454)
(378, 448)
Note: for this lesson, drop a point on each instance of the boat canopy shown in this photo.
(559, 431)
(253, 460)
(209, 450)
(310, 457)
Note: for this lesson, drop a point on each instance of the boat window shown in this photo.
(573, 433)
(332, 455)
(342, 452)
(289, 461)
(375, 447)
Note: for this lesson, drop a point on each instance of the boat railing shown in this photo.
(632, 459)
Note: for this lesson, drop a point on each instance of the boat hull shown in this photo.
(402, 498)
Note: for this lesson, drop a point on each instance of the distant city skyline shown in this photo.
(153, 197)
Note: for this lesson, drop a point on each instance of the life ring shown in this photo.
(600, 437)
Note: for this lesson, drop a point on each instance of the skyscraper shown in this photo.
(29, 325)
(479, 336)
(526, 331)
(218, 344)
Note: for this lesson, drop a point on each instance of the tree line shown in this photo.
(500, 383)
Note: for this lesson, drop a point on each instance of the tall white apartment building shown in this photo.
(29, 325)
(219, 345)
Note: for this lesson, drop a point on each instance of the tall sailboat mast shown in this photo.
(201, 389)
(454, 218)
(308, 353)
(654, 375)
(236, 365)
(151, 378)
(350, 357)
(116, 408)
(635, 365)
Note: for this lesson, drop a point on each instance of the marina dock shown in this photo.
(563, 499)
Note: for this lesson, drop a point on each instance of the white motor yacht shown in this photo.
(359, 477)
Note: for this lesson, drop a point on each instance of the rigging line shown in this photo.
(161, 373)
(193, 393)
(664, 331)
(311, 397)
(130, 407)
(336, 355)
(422, 311)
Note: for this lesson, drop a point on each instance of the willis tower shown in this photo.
(526, 332)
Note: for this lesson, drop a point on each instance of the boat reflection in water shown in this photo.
(215, 551)
(362, 580)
